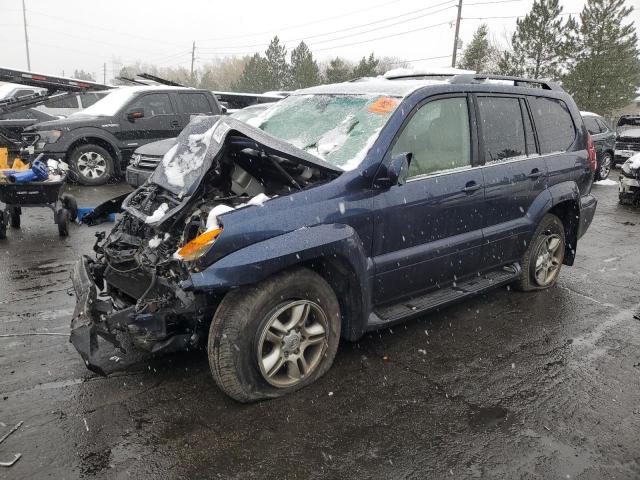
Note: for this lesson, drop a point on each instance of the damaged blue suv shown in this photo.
(340, 210)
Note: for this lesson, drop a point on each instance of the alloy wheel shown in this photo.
(548, 260)
(292, 343)
(605, 166)
(91, 165)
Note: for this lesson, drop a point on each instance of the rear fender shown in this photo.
(305, 246)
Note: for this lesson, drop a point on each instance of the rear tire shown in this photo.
(604, 166)
(92, 164)
(14, 216)
(69, 202)
(274, 338)
(3, 226)
(62, 219)
(545, 253)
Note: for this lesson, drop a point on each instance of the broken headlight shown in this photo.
(198, 246)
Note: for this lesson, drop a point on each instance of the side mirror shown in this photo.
(396, 172)
(135, 114)
(224, 110)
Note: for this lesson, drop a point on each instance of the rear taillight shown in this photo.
(591, 149)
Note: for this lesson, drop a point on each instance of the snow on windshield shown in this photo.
(339, 129)
(108, 105)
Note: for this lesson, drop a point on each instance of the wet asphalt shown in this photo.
(506, 385)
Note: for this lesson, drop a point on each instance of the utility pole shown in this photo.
(193, 58)
(104, 73)
(455, 40)
(26, 35)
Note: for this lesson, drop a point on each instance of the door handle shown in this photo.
(175, 123)
(535, 173)
(471, 187)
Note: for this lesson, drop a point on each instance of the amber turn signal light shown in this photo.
(199, 245)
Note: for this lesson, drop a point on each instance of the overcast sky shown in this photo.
(78, 34)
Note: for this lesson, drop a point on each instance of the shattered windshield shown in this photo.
(108, 105)
(339, 129)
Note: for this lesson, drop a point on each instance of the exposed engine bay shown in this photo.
(139, 266)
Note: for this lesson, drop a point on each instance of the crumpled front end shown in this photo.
(629, 189)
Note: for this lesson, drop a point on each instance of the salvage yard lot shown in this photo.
(507, 385)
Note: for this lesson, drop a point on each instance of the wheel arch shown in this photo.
(91, 139)
(334, 251)
(568, 211)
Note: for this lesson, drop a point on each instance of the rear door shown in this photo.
(160, 121)
(514, 175)
(428, 232)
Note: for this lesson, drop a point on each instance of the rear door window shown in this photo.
(438, 137)
(194, 103)
(592, 125)
(502, 128)
(556, 131)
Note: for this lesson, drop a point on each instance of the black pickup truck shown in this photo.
(98, 141)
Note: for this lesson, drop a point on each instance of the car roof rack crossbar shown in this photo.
(160, 80)
(517, 81)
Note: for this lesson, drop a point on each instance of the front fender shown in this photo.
(336, 247)
(256, 262)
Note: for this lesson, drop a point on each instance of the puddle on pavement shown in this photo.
(490, 418)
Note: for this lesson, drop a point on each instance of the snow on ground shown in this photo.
(607, 182)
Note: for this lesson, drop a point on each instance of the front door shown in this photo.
(514, 176)
(428, 232)
(160, 121)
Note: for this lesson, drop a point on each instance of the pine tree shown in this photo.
(607, 69)
(82, 75)
(253, 78)
(277, 69)
(304, 69)
(479, 55)
(540, 42)
(338, 71)
(368, 67)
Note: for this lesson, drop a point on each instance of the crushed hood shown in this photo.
(184, 165)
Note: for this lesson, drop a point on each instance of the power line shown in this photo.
(512, 16)
(352, 28)
(299, 25)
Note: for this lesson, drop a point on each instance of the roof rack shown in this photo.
(517, 81)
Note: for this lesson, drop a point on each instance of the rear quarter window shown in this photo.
(555, 127)
(194, 103)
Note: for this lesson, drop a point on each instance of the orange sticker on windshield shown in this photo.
(383, 105)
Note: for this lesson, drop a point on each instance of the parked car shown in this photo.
(627, 137)
(349, 208)
(147, 157)
(604, 139)
(630, 181)
(145, 160)
(55, 107)
(98, 142)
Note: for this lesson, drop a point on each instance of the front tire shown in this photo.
(92, 164)
(274, 338)
(543, 258)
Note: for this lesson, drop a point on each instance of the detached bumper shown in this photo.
(588, 205)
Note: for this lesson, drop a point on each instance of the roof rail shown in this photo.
(517, 81)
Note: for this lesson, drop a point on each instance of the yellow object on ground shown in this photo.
(19, 165)
(4, 159)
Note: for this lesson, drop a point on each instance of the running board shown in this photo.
(405, 309)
